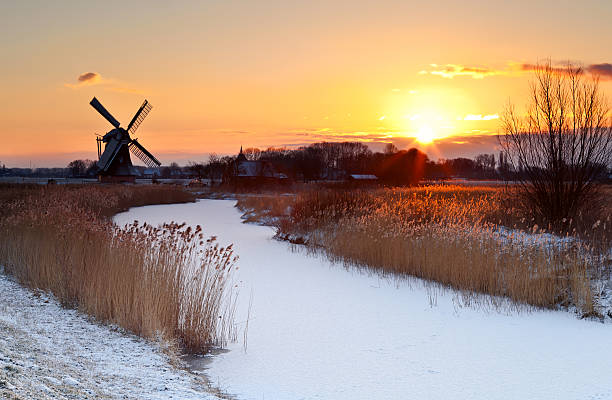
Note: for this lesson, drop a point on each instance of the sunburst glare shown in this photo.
(425, 134)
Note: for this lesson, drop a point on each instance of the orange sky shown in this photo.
(221, 75)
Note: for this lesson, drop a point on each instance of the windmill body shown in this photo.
(114, 163)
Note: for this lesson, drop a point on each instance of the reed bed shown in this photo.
(167, 281)
(462, 237)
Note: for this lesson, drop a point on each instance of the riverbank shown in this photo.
(168, 280)
(318, 330)
(455, 236)
(50, 352)
(89, 287)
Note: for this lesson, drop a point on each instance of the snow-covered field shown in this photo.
(318, 331)
(48, 352)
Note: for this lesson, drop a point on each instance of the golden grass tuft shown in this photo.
(152, 281)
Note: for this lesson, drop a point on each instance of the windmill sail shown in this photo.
(110, 151)
(140, 115)
(139, 151)
(100, 108)
(114, 162)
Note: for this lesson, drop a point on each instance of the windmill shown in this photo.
(114, 163)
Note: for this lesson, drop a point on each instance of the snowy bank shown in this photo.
(49, 352)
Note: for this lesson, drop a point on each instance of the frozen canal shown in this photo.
(318, 331)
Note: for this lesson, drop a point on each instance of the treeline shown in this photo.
(88, 169)
(337, 161)
(76, 168)
(318, 161)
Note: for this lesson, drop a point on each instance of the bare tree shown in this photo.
(485, 161)
(252, 153)
(562, 144)
(198, 169)
(81, 167)
(213, 158)
(390, 148)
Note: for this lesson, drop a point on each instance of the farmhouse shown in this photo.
(244, 171)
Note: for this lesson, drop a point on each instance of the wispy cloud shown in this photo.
(480, 117)
(462, 145)
(450, 71)
(87, 79)
(557, 68)
(602, 70)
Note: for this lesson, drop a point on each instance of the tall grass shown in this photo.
(152, 281)
(456, 236)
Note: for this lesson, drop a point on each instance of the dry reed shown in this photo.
(164, 281)
(456, 236)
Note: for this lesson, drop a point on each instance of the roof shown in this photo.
(247, 168)
(259, 168)
(363, 177)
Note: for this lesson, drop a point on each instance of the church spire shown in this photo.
(241, 156)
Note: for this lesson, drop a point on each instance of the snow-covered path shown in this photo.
(48, 352)
(318, 331)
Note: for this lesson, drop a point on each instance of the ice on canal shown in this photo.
(319, 331)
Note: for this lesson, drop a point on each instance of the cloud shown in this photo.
(559, 68)
(95, 79)
(603, 70)
(86, 79)
(92, 77)
(480, 117)
(450, 71)
(463, 145)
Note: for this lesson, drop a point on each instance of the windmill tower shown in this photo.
(114, 163)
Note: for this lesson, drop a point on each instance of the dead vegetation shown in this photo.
(467, 238)
(169, 281)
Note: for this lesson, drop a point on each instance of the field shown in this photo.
(168, 281)
(474, 239)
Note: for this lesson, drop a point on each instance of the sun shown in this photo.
(425, 134)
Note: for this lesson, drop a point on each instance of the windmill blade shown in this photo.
(110, 152)
(100, 108)
(140, 115)
(139, 151)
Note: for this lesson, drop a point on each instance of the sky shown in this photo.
(220, 75)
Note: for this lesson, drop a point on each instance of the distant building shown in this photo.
(150, 173)
(363, 178)
(254, 171)
(334, 174)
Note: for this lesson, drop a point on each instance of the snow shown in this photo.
(320, 331)
(601, 285)
(47, 351)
